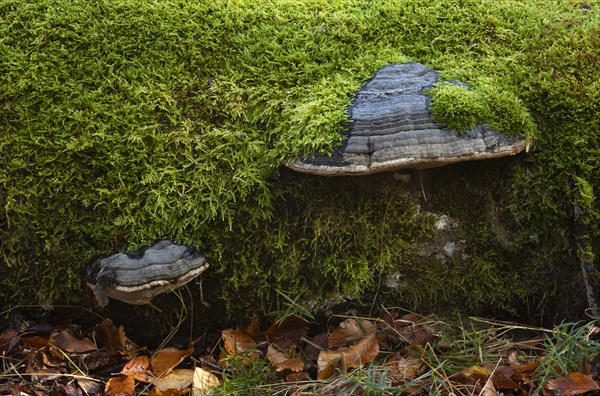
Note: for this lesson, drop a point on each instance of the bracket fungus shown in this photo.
(392, 127)
(137, 277)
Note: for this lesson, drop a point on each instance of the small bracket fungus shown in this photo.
(392, 127)
(137, 277)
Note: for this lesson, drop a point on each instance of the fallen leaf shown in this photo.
(502, 378)
(315, 346)
(120, 386)
(521, 371)
(363, 352)
(405, 367)
(573, 384)
(327, 362)
(204, 381)
(351, 330)
(38, 368)
(297, 376)
(65, 341)
(253, 328)
(167, 359)
(280, 361)
(35, 342)
(288, 333)
(67, 390)
(98, 359)
(111, 337)
(238, 343)
(169, 392)
(8, 340)
(488, 389)
(137, 368)
(473, 377)
(418, 334)
(177, 379)
(89, 386)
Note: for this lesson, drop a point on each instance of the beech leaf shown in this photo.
(405, 367)
(204, 381)
(236, 342)
(280, 361)
(168, 358)
(363, 352)
(111, 337)
(65, 341)
(120, 386)
(137, 368)
(351, 330)
(177, 379)
(573, 384)
(288, 333)
(327, 362)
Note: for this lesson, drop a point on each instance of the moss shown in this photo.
(328, 237)
(169, 120)
(462, 108)
(457, 106)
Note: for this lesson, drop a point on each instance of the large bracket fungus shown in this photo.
(392, 127)
(137, 277)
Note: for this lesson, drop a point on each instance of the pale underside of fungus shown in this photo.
(391, 127)
(137, 277)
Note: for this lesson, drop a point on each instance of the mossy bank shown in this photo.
(140, 120)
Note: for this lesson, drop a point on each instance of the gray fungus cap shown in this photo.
(392, 127)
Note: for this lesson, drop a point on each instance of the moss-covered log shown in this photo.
(168, 119)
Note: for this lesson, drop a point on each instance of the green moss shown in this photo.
(169, 120)
(457, 106)
(462, 108)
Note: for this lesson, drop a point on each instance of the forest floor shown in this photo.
(398, 353)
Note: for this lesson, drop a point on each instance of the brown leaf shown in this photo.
(488, 389)
(297, 376)
(363, 352)
(236, 343)
(120, 386)
(167, 359)
(288, 333)
(111, 337)
(405, 367)
(419, 334)
(8, 340)
(573, 384)
(351, 330)
(35, 342)
(177, 379)
(137, 368)
(67, 390)
(327, 362)
(97, 359)
(280, 361)
(169, 392)
(253, 329)
(204, 381)
(38, 369)
(521, 371)
(314, 347)
(502, 378)
(90, 387)
(65, 341)
(473, 377)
